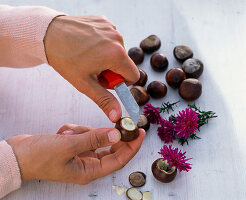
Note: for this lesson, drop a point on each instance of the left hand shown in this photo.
(70, 155)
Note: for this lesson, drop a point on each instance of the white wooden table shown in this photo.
(38, 100)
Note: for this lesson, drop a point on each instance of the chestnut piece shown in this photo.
(181, 53)
(140, 95)
(143, 122)
(174, 77)
(150, 44)
(143, 78)
(147, 195)
(159, 62)
(162, 172)
(193, 68)
(157, 89)
(136, 54)
(137, 179)
(127, 129)
(134, 194)
(190, 89)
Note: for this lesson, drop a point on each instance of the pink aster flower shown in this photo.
(186, 123)
(175, 157)
(166, 131)
(152, 113)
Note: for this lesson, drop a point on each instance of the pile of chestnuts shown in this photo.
(159, 63)
(184, 78)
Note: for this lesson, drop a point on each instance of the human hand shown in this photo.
(70, 155)
(80, 48)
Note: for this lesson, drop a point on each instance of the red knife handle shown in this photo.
(112, 78)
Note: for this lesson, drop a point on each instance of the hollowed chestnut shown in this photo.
(157, 89)
(137, 179)
(143, 78)
(193, 68)
(162, 171)
(159, 62)
(150, 44)
(140, 95)
(136, 54)
(143, 122)
(190, 89)
(181, 53)
(174, 77)
(129, 131)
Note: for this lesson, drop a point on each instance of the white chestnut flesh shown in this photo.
(120, 190)
(134, 194)
(147, 195)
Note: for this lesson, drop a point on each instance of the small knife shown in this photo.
(116, 81)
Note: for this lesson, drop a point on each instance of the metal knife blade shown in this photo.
(128, 101)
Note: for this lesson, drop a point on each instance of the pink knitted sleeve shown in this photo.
(22, 30)
(10, 178)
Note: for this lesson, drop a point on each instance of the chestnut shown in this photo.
(136, 54)
(190, 89)
(134, 194)
(174, 77)
(129, 131)
(181, 53)
(137, 179)
(193, 68)
(150, 44)
(143, 78)
(159, 62)
(143, 122)
(157, 89)
(162, 172)
(140, 95)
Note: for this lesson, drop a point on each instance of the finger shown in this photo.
(70, 129)
(105, 100)
(120, 157)
(94, 139)
(123, 65)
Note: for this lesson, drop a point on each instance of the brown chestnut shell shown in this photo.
(143, 78)
(143, 122)
(182, 53)
(126, 135)
(136, 54)
(159, 171)
(190, 89)
(174, 77)
(137, 179)
(159, 62)
(140, 95)
(157, 89)
(193, 68)
(150, 44)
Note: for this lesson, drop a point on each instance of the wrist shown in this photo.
(22, 155)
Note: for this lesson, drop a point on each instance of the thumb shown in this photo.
(105, 100)
(95, 139)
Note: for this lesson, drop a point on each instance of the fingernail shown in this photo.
(68, 132)
(113, 115)
(114, 136)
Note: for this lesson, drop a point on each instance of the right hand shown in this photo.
(70, 155)
(80, 48)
